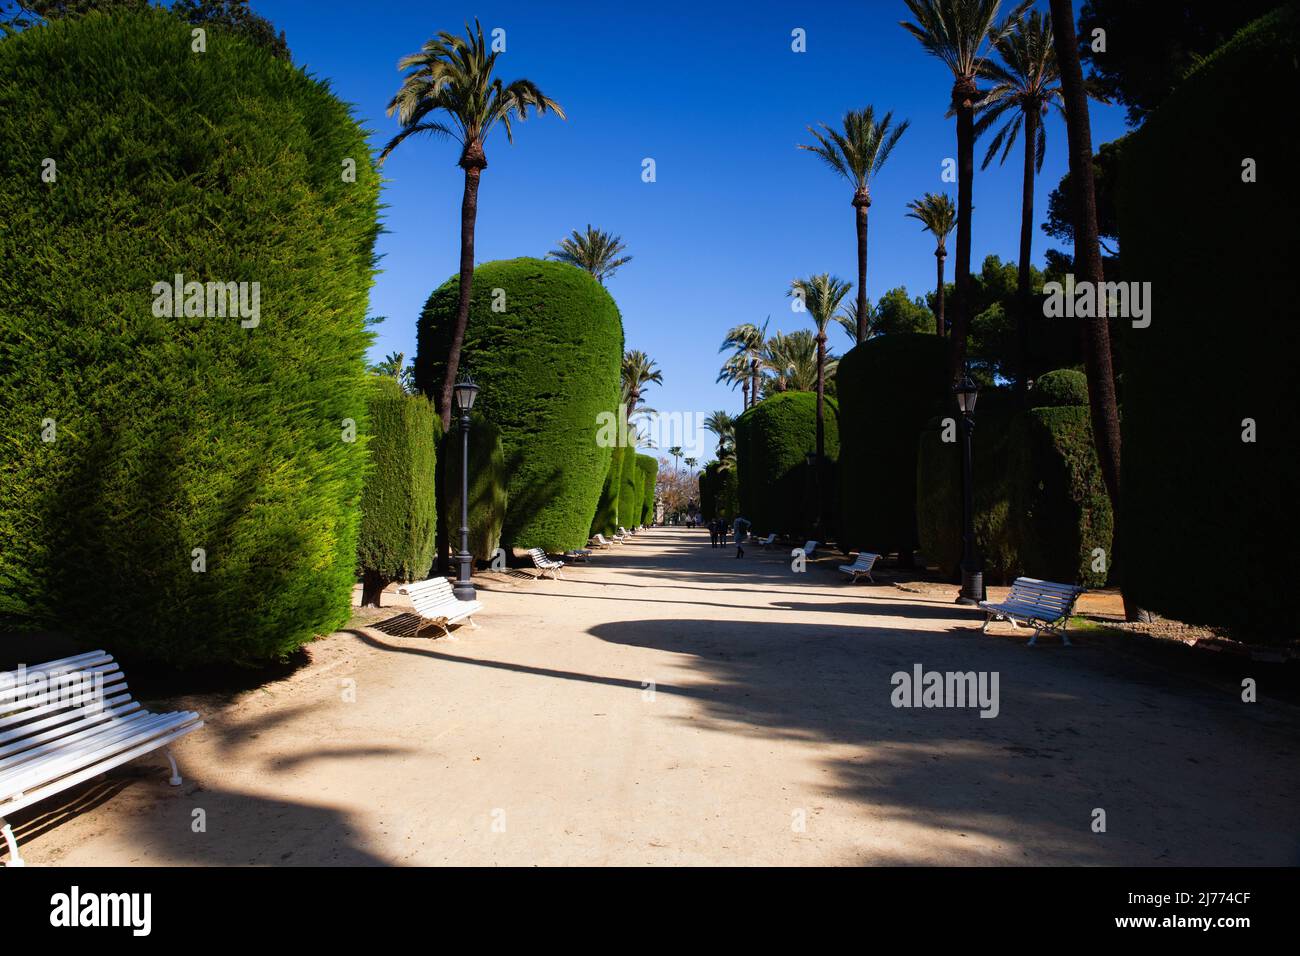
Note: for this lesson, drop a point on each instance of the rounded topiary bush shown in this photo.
(545, 343)
(1062, 387)
(192, 495)
(649, 475)
(772, 440)
(398, 516)
(1211, 418)
(888, 388)
(605, 521)
(488, 481)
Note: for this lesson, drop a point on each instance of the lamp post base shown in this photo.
(972, 588)
(464, 588)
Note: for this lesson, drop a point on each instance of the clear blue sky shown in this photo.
(712, 92)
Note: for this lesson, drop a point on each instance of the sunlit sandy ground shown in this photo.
(669, 704)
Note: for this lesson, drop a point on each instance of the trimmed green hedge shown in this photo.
(548, 366)
(398, 501)
(1063, 387)
(649, 475)
(172, 434)
(1040, 502)
(889, 387)
(605, 520)
(1220, 256)
(772, 440)
(630, 487)
(718, 492)
(488, 481)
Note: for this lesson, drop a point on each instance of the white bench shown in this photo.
(66, 721)
(545, 565)
(598, 541)
(1043, 605)
(765, 542)
(862, 565)
(437, 604)
(809, 547)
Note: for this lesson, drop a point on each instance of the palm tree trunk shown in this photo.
(1088, 267)
(1026, 248)
(963, 98)
(939, 327)
(860, 204)
(473, 166)
(753, 383)
(821, 424)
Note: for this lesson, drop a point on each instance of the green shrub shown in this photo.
(1219, 254)
(708, 499)
(998, 445)
(605, 520)
(1061, 507)
(1063, 387)
(488, 496)
(548, 365)
(176, 434)
(889, 387)
(649, 475)
(1040, 503)
(772, 440)
(630, 486)
(398, 514)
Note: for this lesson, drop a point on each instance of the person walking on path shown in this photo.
(713, 534)
(741, 529)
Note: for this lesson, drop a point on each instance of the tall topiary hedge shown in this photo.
(545, 343)
(772, 440)
(630, 487)
(1208, 205)
(181, 484)
(605, 520)
(1040, 503)
(649, 474)
(888, 388)
(398, 500)
(488, 481)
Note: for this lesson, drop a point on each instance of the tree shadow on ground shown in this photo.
(1075, 731)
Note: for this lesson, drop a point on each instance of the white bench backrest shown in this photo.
(1047, 595)
(809, 547)
(428, 596)
(865, 560)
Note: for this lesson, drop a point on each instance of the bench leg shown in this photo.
(471, 622)
(988, 619)
(14, 858)
(1033, 639)
(175, 779)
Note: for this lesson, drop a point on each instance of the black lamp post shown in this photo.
(972, 572)
(465, 391)
(814, 480)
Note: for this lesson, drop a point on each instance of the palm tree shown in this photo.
(792, 360)
(744, 367)
(676, 452)
(691, 463)
(955, 31)
(857, 153)
(937, 215)
(822, 294)
(723, 427)
(1025, 87)
(453, 75)
(1088, 267)
(638, 371)
(595, 250)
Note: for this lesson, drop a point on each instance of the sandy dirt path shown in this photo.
(670, 704)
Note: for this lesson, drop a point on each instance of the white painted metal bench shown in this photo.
(598, 541)
(765, 542)
(66, 721)
(1043, 605)
(545, 565)
(809, 547)
(862, 565)
(436, 604)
